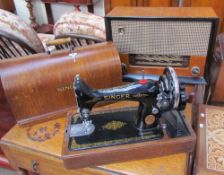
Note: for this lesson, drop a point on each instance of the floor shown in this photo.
(7, 172)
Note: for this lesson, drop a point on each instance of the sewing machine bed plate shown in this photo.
(110, 144)
(112, 128)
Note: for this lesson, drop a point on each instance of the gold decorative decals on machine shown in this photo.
(119, 132)
(117, 97)
(114, 125)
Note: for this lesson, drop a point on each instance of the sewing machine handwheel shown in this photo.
(173, 84)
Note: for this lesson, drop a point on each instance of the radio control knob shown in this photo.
(195, 70)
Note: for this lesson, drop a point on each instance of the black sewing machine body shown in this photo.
(159, 108)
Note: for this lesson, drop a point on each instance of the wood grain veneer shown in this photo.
(42, 84)
(7, 5)
(183, 12)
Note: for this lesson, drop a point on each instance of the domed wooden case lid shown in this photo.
(39, 86)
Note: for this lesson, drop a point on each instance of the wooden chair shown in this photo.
(17, 38)
(82, 28)
(71, 41)
(11, 46)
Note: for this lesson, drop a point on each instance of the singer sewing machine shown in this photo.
(157, 100)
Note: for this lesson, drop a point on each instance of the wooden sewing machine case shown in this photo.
(38, 149)
(123, 152)
(38, 87)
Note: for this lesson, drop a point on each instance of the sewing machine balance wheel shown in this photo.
(169, 83)
(173, 85)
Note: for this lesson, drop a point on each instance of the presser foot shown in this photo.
(82, 129)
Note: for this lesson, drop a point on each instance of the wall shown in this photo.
(57, 9)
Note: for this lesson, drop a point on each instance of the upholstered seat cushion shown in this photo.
(44, 39)
(80, 23)
(14, 26)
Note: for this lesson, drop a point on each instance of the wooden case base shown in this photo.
(126, 152)
(42, 155)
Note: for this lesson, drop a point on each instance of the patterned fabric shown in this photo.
(215, 139)
(44, 39)
(80, 23)
(14, 26)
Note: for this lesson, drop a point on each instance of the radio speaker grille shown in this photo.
(162, 37)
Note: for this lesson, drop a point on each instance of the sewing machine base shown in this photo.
(116, 127)
(112, 128)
